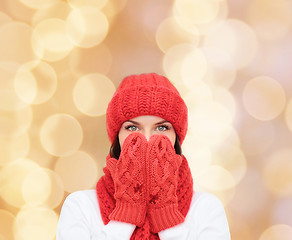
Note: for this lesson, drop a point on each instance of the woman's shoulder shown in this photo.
(83, 201)
(80, 217)
(83, 195)
(206, 220)
(206, 208)
(205, 198)
(204, 202)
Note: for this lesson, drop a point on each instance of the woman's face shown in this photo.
(148, 126)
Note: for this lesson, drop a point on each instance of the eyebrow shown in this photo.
(131, 121)
(163, 121)
(134, 122)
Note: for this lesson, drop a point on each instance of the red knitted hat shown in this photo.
(146, 94)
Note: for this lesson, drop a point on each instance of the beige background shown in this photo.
(60, 62)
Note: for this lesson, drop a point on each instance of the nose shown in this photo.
(147, 134)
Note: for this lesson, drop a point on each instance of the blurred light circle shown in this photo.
(251, 187)
(36, 4)
(235, 38)
(271, 20)
(36, 186)
(6, 224)
(271, 30)
(81, 3)
(241, 228)
(197, 11)
(277, 173)
(222, 15)
(35, 82)
(232, 159)
(25, 85)
(57, 190)
(53, 35)
(9, 99)
(18, 11)
(173, 60)
(15, 123)
(91, 60)
(215, 178)
(225, 197)
(288, 115)
(12, 177)
(92, 93)
(170, 33)
(251, 135)
(211, 122)
(51, 39)
(59, 10)
(61, 134)
(13, 148)
(224, 97)
(78, 171)
(112, 8)
(231, 140)
(151, 14)
(4, 18)
(264, 98)
(277, 232)
(197, 95)
(87, 26)
(203, 29)
(282, 211)
(194, 67)
(36, 222)
(64, 94)
(199, 156)
(21, 34)
(43, 186)
(221, 69)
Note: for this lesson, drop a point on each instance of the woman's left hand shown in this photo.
(163, 165)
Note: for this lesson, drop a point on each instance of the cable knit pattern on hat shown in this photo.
(146, 94)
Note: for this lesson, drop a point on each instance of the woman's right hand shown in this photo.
(129, 179)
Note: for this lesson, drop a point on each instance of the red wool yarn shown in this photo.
(147, 94)
(105, 189)
(137, 95)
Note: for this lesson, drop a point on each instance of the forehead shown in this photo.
(147, 119)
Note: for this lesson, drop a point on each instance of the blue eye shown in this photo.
(162, 128)
(131, 128)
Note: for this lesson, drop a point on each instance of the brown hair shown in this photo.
(115, 149)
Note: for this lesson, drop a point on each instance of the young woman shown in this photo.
(147, 188)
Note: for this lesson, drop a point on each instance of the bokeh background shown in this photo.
(60, 62)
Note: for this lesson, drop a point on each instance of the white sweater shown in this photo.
(80, 219)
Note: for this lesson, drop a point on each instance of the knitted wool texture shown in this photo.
(137, 95)
(105, 191)
(146, 94)
(130, 178)
(163, 164)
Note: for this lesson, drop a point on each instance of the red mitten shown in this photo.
(163, 164)
(129, 178)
